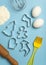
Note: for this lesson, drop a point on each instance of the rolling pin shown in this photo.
(4, 53)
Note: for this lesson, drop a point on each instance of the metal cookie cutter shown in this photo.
(26, 19)
(18, 4)
(12, 43)
(9, 29)
(25, 47)
(22, 33)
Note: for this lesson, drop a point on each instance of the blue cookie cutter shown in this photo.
(8, 31)
(22, 33)
(18, 4)
(26, 19)
(12, 43)
(25, 47)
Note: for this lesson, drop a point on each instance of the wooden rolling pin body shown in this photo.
(4, 53)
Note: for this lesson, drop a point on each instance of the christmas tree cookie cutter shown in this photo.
(8, 29)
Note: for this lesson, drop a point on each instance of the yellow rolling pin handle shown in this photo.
(37, 44)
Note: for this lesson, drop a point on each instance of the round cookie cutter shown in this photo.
(18, 4)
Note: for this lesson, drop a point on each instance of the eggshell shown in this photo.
(38, 23)
(36, 11)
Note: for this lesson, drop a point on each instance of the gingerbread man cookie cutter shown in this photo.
(23, 31)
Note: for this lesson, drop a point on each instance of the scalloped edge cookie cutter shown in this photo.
(10, 31)
(28, 23)
(22, 28)
(20, 5)
(24, 49)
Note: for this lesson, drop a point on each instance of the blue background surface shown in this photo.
(40, 57)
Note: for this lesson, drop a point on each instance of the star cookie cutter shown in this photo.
(26, 19)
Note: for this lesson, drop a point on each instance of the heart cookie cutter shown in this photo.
(10, 45)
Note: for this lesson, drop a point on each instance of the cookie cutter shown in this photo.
(24, 47)
(24, 33)
(18, 4)
(5, 31)
(26, 19)
(11, 44)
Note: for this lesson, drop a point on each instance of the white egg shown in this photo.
(36, 11)
(38, 23)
